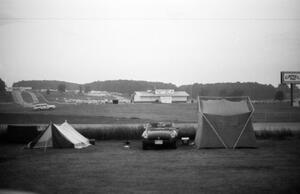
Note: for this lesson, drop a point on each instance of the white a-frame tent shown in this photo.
(60, 136)
(225, 122)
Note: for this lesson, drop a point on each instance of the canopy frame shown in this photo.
(213, 128)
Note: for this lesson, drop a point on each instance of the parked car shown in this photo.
(160, 134)
(43, 106)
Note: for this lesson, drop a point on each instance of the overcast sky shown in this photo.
(178, 41)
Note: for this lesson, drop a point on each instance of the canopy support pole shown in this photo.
(45, 147)
(238, 139)
(292, 94)
(215, 131)
(213, 128)
(250, 116)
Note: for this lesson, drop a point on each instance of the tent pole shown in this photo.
(238, 139)
(250, 116)
(45, 148)
(215, 131)
(46, 143)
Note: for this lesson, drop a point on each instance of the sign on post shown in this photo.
(293, 78)
(290, 77)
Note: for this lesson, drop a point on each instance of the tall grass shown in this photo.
(281, 134)
(134, 131)
(113, 132)
(109, 132)
(3, 132)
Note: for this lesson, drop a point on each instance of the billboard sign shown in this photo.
(290, 77)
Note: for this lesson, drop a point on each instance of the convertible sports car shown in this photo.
(160, 134)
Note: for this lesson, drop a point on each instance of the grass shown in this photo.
(282, 134)
(113, 132)
(6, 97)
(108, 167)
(45, 117)
(27, 97)
(139, 112)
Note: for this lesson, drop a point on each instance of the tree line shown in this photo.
(255, 90)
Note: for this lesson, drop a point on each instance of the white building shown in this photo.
(160, 95)
(97, 93)
(22, 88)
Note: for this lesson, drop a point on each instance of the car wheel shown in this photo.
(145, 146)
(174, 145)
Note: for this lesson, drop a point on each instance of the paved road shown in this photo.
(33, 96)
(17, 96)
(52, 102)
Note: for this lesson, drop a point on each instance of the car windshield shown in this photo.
(161, 124)
(40, 104)
(160, 129)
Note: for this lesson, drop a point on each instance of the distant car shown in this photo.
(43, 106)
(160, 134)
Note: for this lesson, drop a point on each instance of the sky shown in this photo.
(173, 41)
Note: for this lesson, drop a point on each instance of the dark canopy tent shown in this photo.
(225, 123)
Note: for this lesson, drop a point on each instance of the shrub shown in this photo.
(274, 134)
(113, 132)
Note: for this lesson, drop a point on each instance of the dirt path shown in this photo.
(51, 102)
(19, 99)
(17, 96)
(33, 96)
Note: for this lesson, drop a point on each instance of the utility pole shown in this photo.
(292, 78)
(292, 94)
(192, 93)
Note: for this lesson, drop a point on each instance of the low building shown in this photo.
(22, 88)
(97, 93)
(160, 96)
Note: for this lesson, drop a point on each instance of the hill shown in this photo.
(254, 90)
(121, 86)
(128, 86)
(46, 84)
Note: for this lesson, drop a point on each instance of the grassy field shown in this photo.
(27, 97)
(135, 113)
(108, 167)
(6, 98)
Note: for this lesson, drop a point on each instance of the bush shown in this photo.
(61, 88)
(279, 95)
(274, 134)
(127, 132)
(113, 132)
(21, 134)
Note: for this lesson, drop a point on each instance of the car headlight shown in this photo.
(173, 134)
(145, 135)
